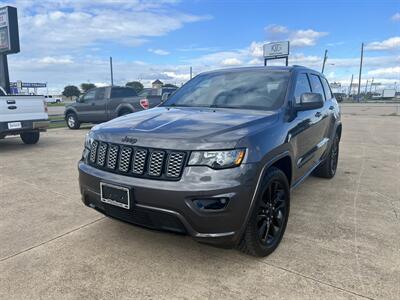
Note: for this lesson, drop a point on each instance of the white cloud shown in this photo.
(305, 38)
(276, 29)
(389, 44)
(49, 60)
(396, 17)
(159, 51)
(50, 27)
(391, 72)
(231, 62)
(297, 38)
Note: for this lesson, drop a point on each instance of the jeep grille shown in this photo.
(137, 161)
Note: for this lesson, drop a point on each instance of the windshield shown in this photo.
(250, 89)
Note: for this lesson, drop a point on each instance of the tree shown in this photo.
(71, 91)
(136, 85)
(87, 86)
(170, 85)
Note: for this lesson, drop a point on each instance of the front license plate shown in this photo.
(115, 195)
(14, 125)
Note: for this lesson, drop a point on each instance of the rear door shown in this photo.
(321, 118)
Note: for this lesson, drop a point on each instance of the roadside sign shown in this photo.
(276, 50)
(20, 84)
(9, 36)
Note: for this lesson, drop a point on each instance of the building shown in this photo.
(158, 84)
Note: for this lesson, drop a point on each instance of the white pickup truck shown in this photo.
(23, 115)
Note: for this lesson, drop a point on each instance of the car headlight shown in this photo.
(88, 140)
(217, 159)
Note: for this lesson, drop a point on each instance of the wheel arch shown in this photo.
(70, 111)
(124, 107)
(339, 130)
(279, 161)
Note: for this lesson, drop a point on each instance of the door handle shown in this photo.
(10, 101)
(318, 114)
(12, 107)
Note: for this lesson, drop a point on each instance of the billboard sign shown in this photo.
(9, 36)
(276, 50)
(20, 84)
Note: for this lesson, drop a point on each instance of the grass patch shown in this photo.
(57, 122)
(56, 104)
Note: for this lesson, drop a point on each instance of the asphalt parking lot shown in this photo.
(342, 239)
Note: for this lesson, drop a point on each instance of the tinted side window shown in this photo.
(100, 93)
(89, 95)
(122, 92)
(302, 86)
(328, 93)
(316, 85)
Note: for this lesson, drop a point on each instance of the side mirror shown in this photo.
(309, 101)
(79, 99)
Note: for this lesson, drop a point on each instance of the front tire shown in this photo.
(72, 121)
(269, 217)
(30, 138)
(328, 168)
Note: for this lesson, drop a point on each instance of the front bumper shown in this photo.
(168, 205)
(31, 125)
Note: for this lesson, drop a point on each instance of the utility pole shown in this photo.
(370, 87)
(361, 62)
(366, 87)
(111, 70)
(351, 83)
(191, 72)
(323, 64)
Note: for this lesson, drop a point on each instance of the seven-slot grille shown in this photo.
(138, 162)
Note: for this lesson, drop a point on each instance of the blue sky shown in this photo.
(69, 41)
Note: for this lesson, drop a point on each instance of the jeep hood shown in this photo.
(184, 128)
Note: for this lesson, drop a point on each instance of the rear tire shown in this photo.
(267, 223)
(30, 138)
(72, 121)
(328, 168)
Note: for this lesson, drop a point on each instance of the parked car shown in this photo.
(51, 99)
(340, 96)
(22, 115)
(105, 103)
(219, 158)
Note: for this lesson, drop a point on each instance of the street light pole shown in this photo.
(111, 70)
(361, 62)
(323, 64)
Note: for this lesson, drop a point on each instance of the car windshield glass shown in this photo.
(249, 89)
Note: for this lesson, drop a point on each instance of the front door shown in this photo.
(307, 132)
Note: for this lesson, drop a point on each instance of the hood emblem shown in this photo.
(129, 140)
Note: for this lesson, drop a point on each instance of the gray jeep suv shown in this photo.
(219, 158)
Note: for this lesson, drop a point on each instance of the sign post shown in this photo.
(9, 42)
(276, 50)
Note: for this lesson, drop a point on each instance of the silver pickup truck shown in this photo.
(23, 115)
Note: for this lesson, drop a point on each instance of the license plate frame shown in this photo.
(14, 125)
(106, 195)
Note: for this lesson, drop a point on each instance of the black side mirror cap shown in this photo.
(309, 101)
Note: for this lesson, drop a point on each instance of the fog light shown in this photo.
(211, 203)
